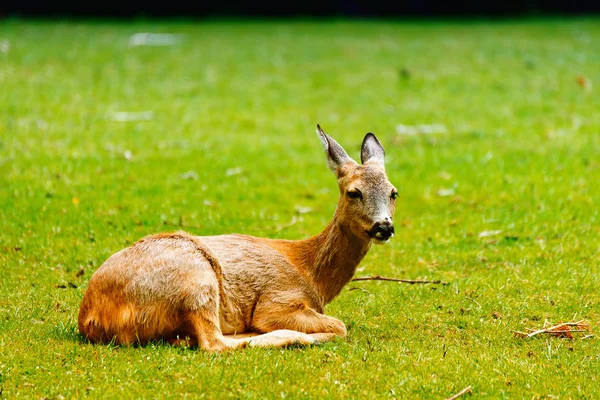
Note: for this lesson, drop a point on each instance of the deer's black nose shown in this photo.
(382, 230)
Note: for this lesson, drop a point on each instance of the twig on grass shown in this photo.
(383, 278)
(457, 395)
(361, 289)
(563, 330)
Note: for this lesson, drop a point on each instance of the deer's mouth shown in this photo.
(381, 241)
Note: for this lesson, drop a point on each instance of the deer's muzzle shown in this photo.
(382, 231)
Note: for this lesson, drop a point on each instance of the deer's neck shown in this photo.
(330, 258)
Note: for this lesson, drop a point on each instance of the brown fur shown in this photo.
(229, 291)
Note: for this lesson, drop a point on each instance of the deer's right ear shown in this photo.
(336, 155)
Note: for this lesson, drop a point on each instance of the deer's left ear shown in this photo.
(372, 150)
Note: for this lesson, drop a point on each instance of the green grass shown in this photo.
(521, 151)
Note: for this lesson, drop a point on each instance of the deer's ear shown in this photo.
(372, 150)
(336, 155)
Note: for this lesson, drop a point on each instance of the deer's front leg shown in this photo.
(286, 311)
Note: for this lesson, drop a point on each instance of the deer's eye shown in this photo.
(394, 194)
(355, 194)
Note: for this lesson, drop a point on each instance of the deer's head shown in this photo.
(367, 198)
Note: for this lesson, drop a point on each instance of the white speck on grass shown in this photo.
(303, 210)
(41, 124)
(445, 192)
(489, 233)
(210, 75)
(4, 46)
(125, 116)
(128, 155)
(421, 129)
(487, 158)
(233, 171)
(154, 39)
(190, 175)
(445, 175)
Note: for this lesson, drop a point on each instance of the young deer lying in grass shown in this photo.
(207, 291)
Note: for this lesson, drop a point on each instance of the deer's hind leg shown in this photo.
(206, 332)
(198, 303)
(200, 327)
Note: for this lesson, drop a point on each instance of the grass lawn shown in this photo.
(492, 136)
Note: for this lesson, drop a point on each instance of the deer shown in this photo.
(230, 291)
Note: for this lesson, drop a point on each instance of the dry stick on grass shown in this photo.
(361, 289)
(457, 395)
(383, 278)
(562, 330)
